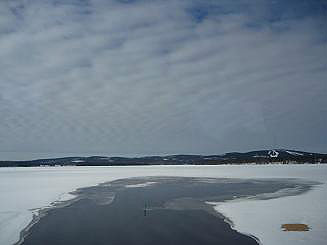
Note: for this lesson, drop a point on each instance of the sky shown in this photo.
(141, 77)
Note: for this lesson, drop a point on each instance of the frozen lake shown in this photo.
(24, 190)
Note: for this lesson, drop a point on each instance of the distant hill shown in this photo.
(275, 156)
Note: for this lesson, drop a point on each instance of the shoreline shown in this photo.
(166, 165)
(42, 212)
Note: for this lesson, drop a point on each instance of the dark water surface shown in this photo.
(171, 211)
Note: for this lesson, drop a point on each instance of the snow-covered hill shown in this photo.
(259, 157)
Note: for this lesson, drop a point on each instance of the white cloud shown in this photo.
(145, 77)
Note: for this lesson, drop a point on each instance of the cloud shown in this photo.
(127, 77)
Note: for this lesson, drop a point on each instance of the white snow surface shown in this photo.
(26, 190)
(294, 153)
(140, 185)
(273, 153)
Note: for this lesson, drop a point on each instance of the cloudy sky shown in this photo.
(126, 77)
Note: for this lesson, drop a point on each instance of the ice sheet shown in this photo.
(24, 190)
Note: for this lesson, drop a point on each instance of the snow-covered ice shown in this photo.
(263, 218)
(25, 190)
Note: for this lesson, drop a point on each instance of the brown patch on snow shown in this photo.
(295, 227)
